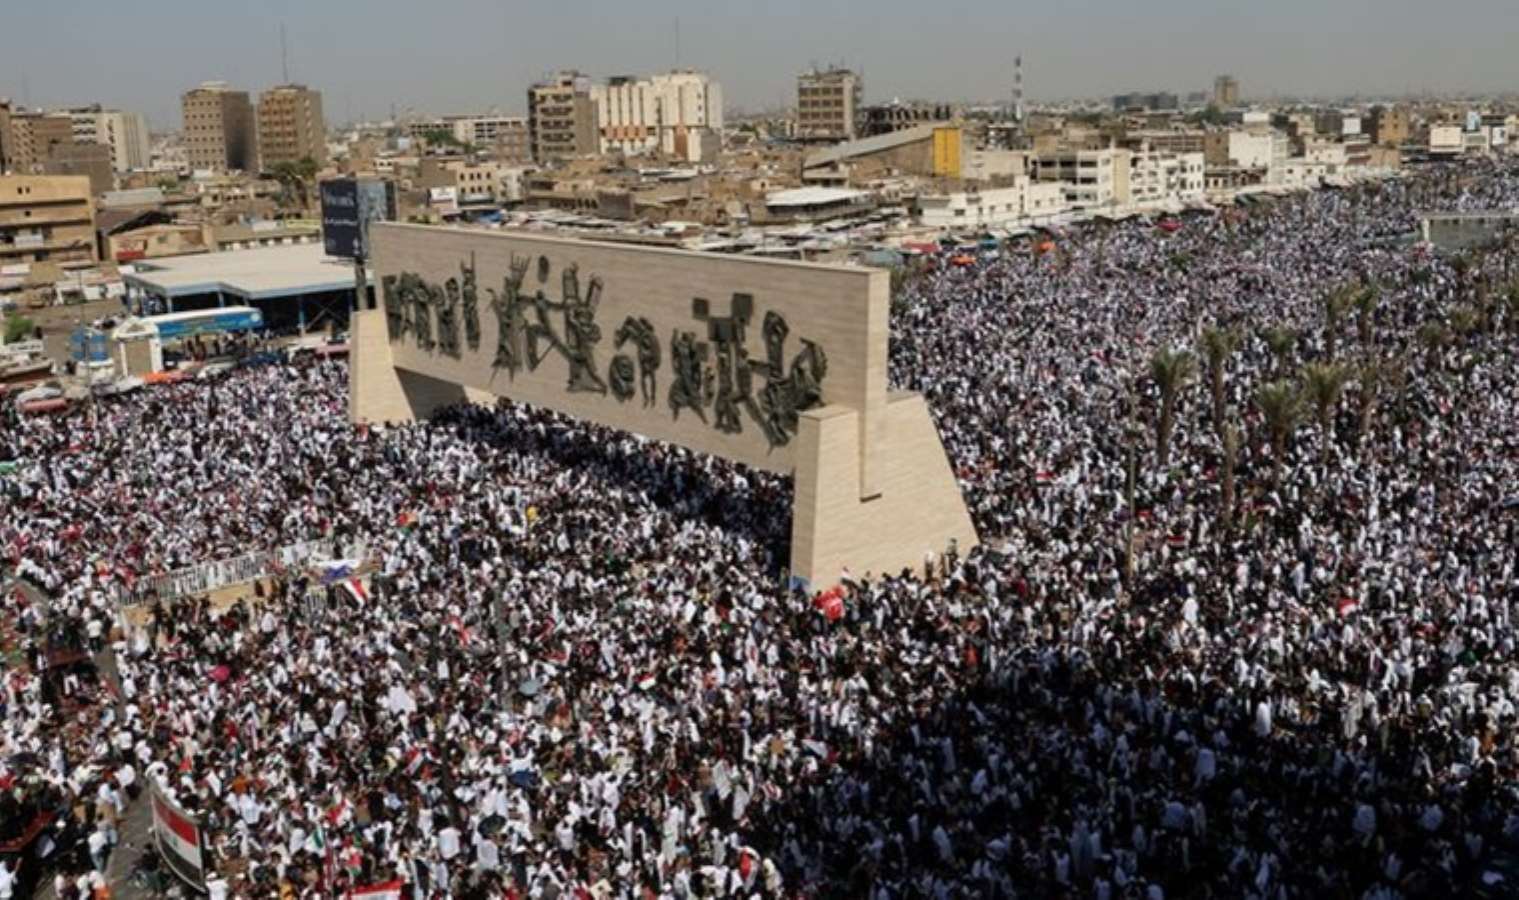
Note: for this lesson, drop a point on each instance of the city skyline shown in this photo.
(475, 55)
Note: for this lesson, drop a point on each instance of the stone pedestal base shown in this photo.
(914, 516)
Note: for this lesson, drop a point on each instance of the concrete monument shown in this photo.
(778, 365)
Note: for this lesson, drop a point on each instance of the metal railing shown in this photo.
(216, 574)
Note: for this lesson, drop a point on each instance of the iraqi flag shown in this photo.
(355, 588)
(179, 839)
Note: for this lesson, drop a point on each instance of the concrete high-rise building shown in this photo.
(830, 105)
(46, 218)
(1389, 126)
(219, 128)
(677, 114)
(561, 118)
(30, 137)
(5, 133)
(290, 126)
(1225, 92)
(91, 160)
(125, 133)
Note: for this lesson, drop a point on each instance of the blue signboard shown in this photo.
(88, 345)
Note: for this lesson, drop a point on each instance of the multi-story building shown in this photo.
(5, 133)
(125, 133)
(1091, 179)
(1161, 100)
(1161, 140)
(1389, 126)
(1156, 177)
(1246, 148)
(885, 118)
(46, 218)
(93, 161)
(561, 118)
(290, 126)
(1225, 92)
(219, 132)
(676, 114)
(30, 138)
(830, 105)
(505, 137)
(471, 181)
(1024, 201)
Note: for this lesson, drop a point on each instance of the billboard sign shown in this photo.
(88, 345)
(180, 838)
(349, 205)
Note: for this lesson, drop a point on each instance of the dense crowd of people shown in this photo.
(1277, 666)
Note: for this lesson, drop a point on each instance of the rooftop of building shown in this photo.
(259, 274)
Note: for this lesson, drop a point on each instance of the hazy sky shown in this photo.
(444, 56)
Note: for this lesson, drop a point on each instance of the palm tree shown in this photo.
(1216, 346)
(1324, 384)
(1336, 304)
(1432, 337)
(1464, 321)
(1228, 463)
(1171, 370)
(1372, 377)
(1280, 340)
(1511, 308)
(1366, 301)
(1281, 408)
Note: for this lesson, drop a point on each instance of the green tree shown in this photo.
(1324, 385)
(18, 328)
(1366, 301)
(1337, 303)
(1215, 346)
(1171, 370)
(1432, 336)
(296, 178)
(1464, 321)
(1281, 409)
(1228, 463)
(1280, 341)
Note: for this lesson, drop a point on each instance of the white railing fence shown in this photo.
(216, 574)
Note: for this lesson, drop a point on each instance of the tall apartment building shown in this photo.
(290, 126)
(1225, 92)
(91, 160)
(125, 133)
(46, 218)
(677, 114)
(561, 118)
(30, 137)
(5, 132)
(1389, 126)
(219, 131)
(830, 105)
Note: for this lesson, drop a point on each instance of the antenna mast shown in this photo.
(284, 57)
